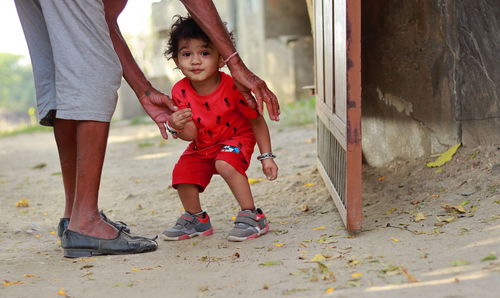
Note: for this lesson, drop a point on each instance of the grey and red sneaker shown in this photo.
(189, 226)
(249, 224)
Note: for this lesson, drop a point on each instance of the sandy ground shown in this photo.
(426, 232)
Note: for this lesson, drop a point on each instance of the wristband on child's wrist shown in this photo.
(170, 129)
(266, 155)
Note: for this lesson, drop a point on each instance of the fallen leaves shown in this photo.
(326, 274)
(271, 263)
(254, 180)
(459, 263)
(23, 203)
(39, 166)
(12, 283)
(293, 291)
(391, 211)
(454, 209)
(319, 228)
(210, 259)
(419, 217)
(318, 258)
(490, 257)
(445, 219)
(327, 239)
(444, 157)
(141, 269)
(391, 270)
(62, 292)
(410, 277)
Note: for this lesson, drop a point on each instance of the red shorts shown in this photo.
(198, 170)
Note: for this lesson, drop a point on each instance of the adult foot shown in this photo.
(77, 245)
(64, 222)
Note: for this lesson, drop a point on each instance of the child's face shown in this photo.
(198, 60)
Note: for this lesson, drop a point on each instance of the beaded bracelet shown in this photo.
(266, 156)
(170, 129)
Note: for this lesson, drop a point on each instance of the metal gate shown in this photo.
(338, 85)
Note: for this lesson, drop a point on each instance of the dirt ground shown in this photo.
(431, 232)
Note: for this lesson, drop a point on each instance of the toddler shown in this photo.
(222, 129)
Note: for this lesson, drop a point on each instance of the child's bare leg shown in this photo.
(237, 183)
(190, 197)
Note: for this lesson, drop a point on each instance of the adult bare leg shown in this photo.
(89, 138)
(65, 135)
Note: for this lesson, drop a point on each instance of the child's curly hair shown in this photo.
(184, 28)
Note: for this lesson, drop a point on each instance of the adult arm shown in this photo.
(207, 17)
(263, 139)
(156, 104)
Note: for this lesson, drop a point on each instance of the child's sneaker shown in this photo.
(189, 226)
(249, 224)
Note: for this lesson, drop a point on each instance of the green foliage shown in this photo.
(17, 89)
(25, 129)
(300, 112)
(140, 120)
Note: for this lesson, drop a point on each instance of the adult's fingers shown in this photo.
(263, 94)
(272, 105)
(259, 98)
(163, 130)
(170, 103)
(250, 99)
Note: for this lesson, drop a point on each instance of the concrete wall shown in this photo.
(430, 73)
(275, 41)
(477, 72)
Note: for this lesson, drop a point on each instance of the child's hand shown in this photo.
(269, 168)
(179, 118)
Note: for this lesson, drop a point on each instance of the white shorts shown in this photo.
(77, 72)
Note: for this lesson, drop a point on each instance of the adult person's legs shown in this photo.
(77, 74)
(82, 146)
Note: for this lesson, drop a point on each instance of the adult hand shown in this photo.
(159, 107)
(269, 168)
(247, 82)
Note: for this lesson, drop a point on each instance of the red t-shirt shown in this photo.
(221, 117)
